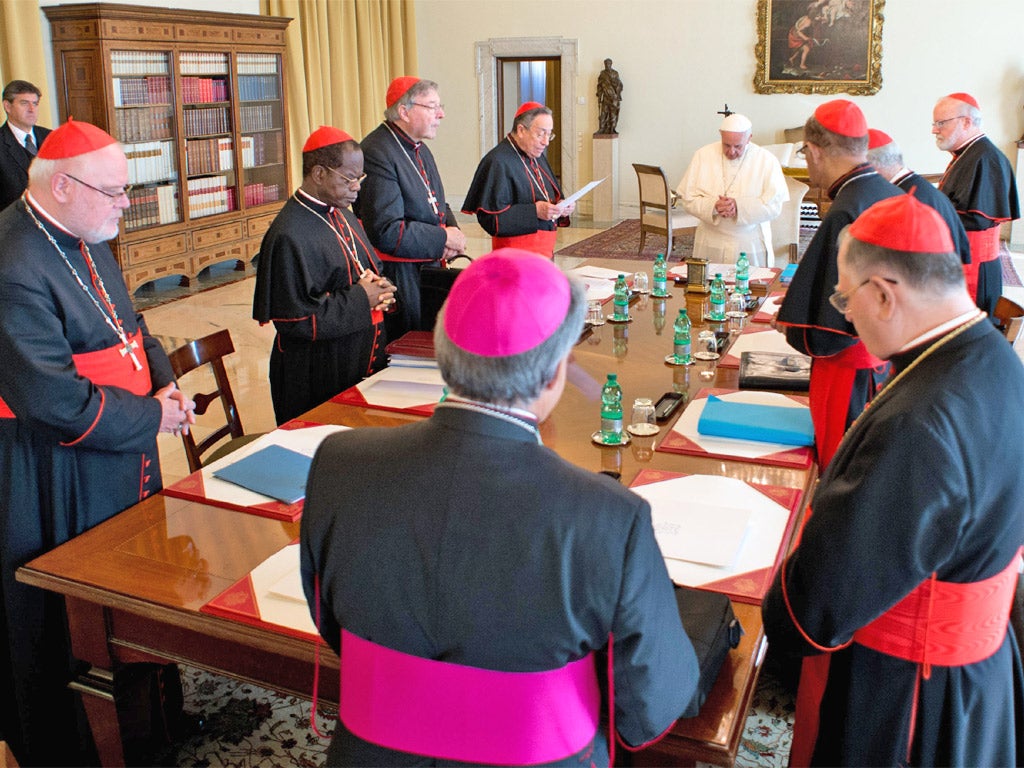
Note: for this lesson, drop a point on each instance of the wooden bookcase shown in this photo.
(197, 99)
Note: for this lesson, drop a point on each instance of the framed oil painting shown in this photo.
(819, 46)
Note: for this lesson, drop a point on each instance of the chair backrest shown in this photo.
(1010, 315)
(786, 226)
(653, 188)
(209, 350)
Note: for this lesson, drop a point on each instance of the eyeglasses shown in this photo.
(802, 151)
(940, 123)
(357, 180)
(432, 107)
(112, 195)
(541, 134)
(841, 299)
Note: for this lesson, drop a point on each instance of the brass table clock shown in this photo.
(696, 276)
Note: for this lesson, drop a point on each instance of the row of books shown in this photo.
(258, 194)
(262, 149)
(204, 122)
(209, 155)
(151, 206)
(203, 63)
(151, 161)
(145, 123)
(132, 91)
(258, 64)
(258, 118)
(210, 195)
(258, 87)
(139, 63)
(203, 90)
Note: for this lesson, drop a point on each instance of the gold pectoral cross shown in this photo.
(129, 349)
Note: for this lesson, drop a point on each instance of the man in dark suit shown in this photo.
(490, 566)
(20, 138)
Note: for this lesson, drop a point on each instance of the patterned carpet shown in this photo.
(244, 726)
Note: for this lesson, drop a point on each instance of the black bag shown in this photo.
(435, 284)
(713, 629)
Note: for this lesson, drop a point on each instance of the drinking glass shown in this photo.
(594, 314)
(641, 283)
(707, 346)
(643, 422)
(737, 306)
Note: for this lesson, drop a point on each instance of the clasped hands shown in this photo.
(379, 290)
(725, 207)
(178, 410)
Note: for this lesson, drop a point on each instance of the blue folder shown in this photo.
(787, 274)
(761, 423)
(273, 471)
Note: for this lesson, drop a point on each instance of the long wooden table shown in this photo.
(134, 585)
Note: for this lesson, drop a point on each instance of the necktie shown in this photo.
(30, 145)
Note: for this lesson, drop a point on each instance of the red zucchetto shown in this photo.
(399, 87)
(324, 136)
(903, 223)
(72, 139)
(842, 117)
(966, 98)
(528, 106)
(877, 138)
(505, 303)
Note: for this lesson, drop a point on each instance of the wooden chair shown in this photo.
(786, 227)
(1010, 317)
(656, 212)
(210, 350)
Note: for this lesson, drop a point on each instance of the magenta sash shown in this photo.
(455, 712)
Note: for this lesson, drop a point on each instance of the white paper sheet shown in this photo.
(403, 386)
(598, 273)
(695, 531)
(728, 272)
(578, 194)
(766, 522)
(304, 441)
(757, 341)
(277, 587)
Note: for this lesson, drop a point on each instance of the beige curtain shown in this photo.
(341, 55)
(21, 50)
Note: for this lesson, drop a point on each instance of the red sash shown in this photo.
(831, 383)
(107, 367)
(984, 247)
(542, 241)
(456, 712)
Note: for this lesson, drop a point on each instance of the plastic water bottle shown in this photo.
(717, 312)
(742, 275)
(611, 411)
(620, 302)
(681, 338)
(660, 271)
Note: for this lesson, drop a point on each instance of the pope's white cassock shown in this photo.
(755, 182)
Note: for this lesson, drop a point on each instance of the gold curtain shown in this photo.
(21, 50)
(341, 55)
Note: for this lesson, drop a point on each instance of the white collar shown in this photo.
(941, 330)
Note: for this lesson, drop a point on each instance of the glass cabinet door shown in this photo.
(261, 114)
(143, 91)
(209, 147)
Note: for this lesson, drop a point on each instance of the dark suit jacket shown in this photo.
(14, 160)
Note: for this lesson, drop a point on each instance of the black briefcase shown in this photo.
(713, 629)
(435, 285)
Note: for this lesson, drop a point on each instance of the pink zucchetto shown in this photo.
(877, 138)
(324, 136)
(506, 303)
(72, 139)
(966, 98)
(842, 117)
(903, 223)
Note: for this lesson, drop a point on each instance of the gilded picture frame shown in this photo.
(819, 46)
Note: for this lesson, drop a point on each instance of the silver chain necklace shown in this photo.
(349, 250)
(128, 346)
(431, 198)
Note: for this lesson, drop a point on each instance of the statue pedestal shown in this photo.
(606, 166)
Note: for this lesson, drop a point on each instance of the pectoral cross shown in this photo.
(129, 349)
(433, 202)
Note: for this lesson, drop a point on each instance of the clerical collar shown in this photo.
(29, 200)
(940, 330)
(900, 175)
(400, 134)
(519, 417)
(321, 203)
(859, 171)
(967, 145)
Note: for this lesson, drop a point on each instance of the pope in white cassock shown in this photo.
(735, 188)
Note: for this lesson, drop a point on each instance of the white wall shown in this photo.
(681, 60)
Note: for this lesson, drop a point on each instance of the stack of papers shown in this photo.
(600, 282)
(719, 533)
(414, 386)
(769, 309)
(755, 338)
